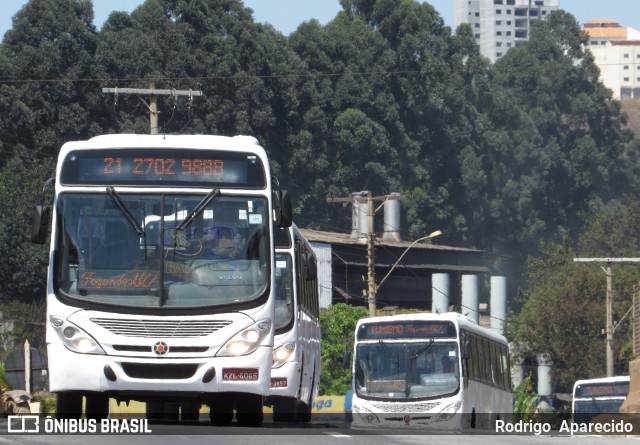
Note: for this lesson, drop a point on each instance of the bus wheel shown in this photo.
(221, 412)
(163, 411)
(304, 412)
(284, 409)
(69, 405)
(190, 411)
(97, 406)
(249, 410)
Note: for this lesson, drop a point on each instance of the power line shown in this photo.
(153, 101)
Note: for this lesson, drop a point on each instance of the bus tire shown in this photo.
(249, 410)
(221, 411)
(303, 412)
(284, 409)
(163, 411)
(190, 412)
(96, 405)
(69, 405)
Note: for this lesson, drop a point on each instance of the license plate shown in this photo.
(280, 382)
(240, 374)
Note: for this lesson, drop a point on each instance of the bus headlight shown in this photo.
(74, 338)
(366, 416)
(449, 411)
(281, 354)
(247, 341)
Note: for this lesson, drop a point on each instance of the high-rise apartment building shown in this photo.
(499, 25)
(616, 51)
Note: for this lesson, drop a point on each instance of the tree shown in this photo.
(563, 314)
(553, 145)
(49, 99)
(23, 265)
(338, 324)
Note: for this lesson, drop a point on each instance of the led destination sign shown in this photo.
(162, 167)
(413, 329)
(610, 389)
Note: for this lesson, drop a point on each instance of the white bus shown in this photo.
(429, 371)
(598, 396)
(295, 374)
(160, 283)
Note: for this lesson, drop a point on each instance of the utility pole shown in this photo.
(371, 264)
(609, 301)
(371, 239)
(153, 99)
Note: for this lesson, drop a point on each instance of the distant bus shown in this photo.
(429, 371)
(295, 374)
(598, 396)
(161, 274)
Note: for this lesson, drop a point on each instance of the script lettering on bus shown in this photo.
(142, 280)
(428, 328)
(161, 166)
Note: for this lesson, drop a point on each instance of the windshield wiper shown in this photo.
(409, 371)
(213, 194)
(421, 350)
(111, 193)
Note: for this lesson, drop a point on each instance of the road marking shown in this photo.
(338, 435)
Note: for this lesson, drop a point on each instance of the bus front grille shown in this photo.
(164, 371)
(161, 328)
(405, 407)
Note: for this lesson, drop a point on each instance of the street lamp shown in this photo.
(373, 288)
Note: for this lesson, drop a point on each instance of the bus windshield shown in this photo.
(411, 370)
(161, 250)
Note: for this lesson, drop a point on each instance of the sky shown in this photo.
(286, 15)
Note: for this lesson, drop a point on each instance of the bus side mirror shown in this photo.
(346, 359)
(40, 224)
(282, 208)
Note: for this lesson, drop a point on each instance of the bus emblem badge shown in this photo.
(160, 348)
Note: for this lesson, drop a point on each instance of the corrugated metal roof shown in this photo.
(345, 239)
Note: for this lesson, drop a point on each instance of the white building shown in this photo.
(616, 51)
(499, 25)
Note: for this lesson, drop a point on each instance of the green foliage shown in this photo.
(22, 264)
(564, 303)
(524, 400)
(338, 324)
(47, 402)
(4, 383)
(27, 321)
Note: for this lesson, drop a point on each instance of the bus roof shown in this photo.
(458, 319)
(166, 141)
(622, 378)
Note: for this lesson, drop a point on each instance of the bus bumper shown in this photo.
(285, 381)
(70, 371)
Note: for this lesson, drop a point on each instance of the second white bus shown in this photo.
(429, 371)
(295, 374)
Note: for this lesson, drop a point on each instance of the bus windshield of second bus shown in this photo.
(406, 370)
